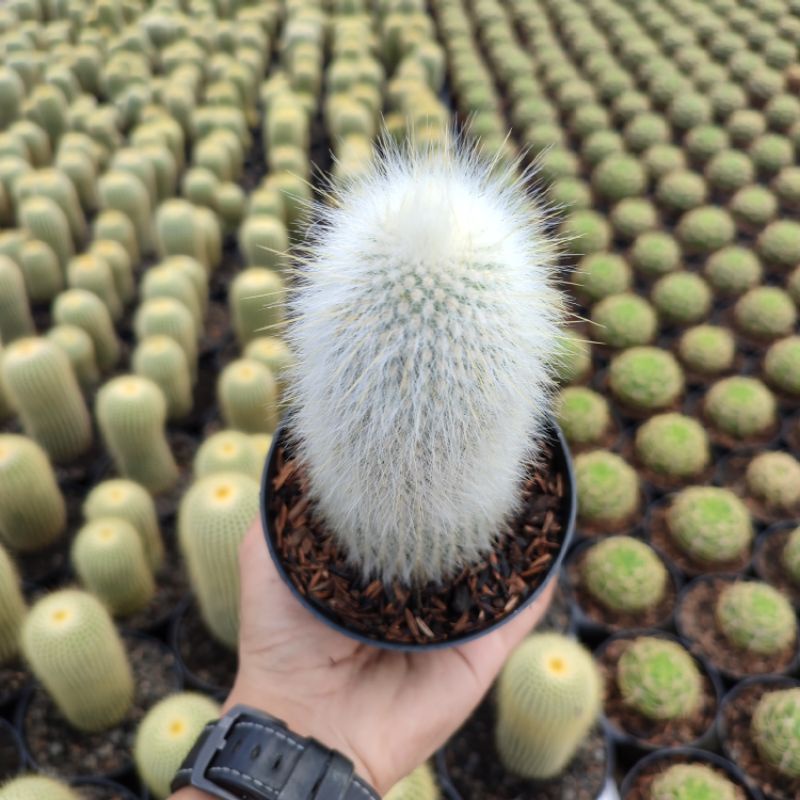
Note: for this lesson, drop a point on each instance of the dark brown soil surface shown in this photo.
(13, 677)
(171, 588)
(478, 774)
(768, 566)
(97, 792)
(10, 755)
(45, 566)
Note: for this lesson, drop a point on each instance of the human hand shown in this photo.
(387, 711)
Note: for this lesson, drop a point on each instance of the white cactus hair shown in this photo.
(424, 325)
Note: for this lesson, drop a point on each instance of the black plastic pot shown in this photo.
(563, 463)
(9, 738)
(690, 755)
(111, 786)
(631, 748)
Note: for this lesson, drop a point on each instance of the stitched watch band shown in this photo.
(248, 755)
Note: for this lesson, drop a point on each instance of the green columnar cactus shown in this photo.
(659, 679)
(274, 354)
(624, 320)
(122, 191)
(583, 415)
(36, 140)
(608, 488)
(92, 273)
(263, 241)
(213, 519)
(692, 782)
(15, 313)
(166, 316)
(248, 397)
(681, 190)
(197, 274)
(55, 185)
(705, 229)
(162, 360)
(707, 349)
(779, 244)
(37, 787)
(754, 206)
(134, 162)
(673, 445)
(118, 260)
(118, 227)
(13, 607)
(46, 221)
(782, 365)
(87, 311)
(549, 695)
(228, 451)
(733, 270)
(774, 478)
(109, 559)
(682, 298)
(741, 407)
(81, 169)
(655, 253)
(646, 378)
(46, 395)
(709, 524)
(73, 649)
(296, 196)
(756, 617)
(131, 412)
(79, 349)
(776, 731)
(419, 785)
(12, 95)
(256, 299)
(166, 735)
(624, 575)
(127, 500)
(164, 281)
(41, 271)
(165, 169)
(601, 275)
(231, 205)
(766, 312)
(178, 231)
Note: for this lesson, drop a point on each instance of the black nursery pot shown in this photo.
(110, 788)
(682, 755)
(11, 758)
(562, 464)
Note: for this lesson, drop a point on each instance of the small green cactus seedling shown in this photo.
(646, 378)
(673, 445)
(790, 556)
(645, 130)
(741, 407)
(45, 392)
(569, 193)
(15, 312)
(131, 412)
(44, 220)
(774, 478)
(127, 500)
(705, 229)
(632, 217)
(782, 365)
(37, 787)
(274, 354)
(733, 270)
(122, 191)
(599, 145)
(228, 451)
(73, 649)
(608, 488)
(729, 170)
(92, 273)
(709, 524)
(574, 357)
(787, 187)
(583, 415)
(659, 679)
(214, 516)
(166, 281)
(586, 231)
(86, 310)
(163, 361)
(619, 176)
(256, 299)
(264, 241)
(116, 226)
(771, 152)
(624, 320)
(419, 785)
(601, 275)
(13, 607)
(166, 735)
(682, 298)
(681, 190)
(248, 397)
(707, 349)
(776, 731)
(655, 253)
(689, 110)
(118, 260)
(756, 617)
(765, 312)
(754, 206)
(178, 231)
(109, 559)
(79, 349)
(692, 782)
(549, 695)
(624, 575)
(41, 271)
(166, 316)
(661, 159)
(779, 244)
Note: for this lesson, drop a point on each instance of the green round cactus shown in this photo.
(645, 130)
(705, 229)
(756, 617)
(79, 349)
(583, 415)
(655, 253)
(131, 412)
(659, 679)
(646, 378)
(661, 159)
(689, 110)
(45, 392)
(166, 735)
(87, 311)
(73, 649)
(248, 397)
(45, 221)
(787, 187)
(110, 562)
(419, 785)
(729, 170)
(682, 298)
(733, 270)
(599, 145)
(692, 782)
(774, 478)
(213, 519)
(163, 361)
(709, 524)
(93, 274)
(116, 226)
(586, 231)
(600, 275)
(673, 445)
(776, 731)
(127, 500)
(619, 176)
(228, 451)
(779, 244)
(782, 365)
(36, 787)
(632, 217)
(707, 349)
(165, 316)
(754, 206)
(256, 299)
(15, 312)
(13, 607)
(574, 360)
(624, 575)
(741, 407)
(624, 320)
(771, 152)
(549, 694)
(607, 487)
(704, 142)
(56, 186)
(555, 162)
(681, 190)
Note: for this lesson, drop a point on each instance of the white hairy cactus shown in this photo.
(424, 328)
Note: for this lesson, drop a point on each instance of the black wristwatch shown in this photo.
(249, 755)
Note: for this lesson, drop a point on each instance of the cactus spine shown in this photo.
(15, 313)
(248, 397)
(166, 735)
(256, 301)
(549, 694)
(213, 519)
(12, 607)
(131, 411)
(163, 361)
(36, 787)
(79, 349)
(776, 731)
(45, 392)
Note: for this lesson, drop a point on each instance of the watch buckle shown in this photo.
(210, 747)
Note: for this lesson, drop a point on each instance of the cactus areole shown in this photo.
(418, 492)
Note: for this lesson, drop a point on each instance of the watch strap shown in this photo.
(248, 755)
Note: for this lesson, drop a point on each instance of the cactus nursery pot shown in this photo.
(513, 577)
